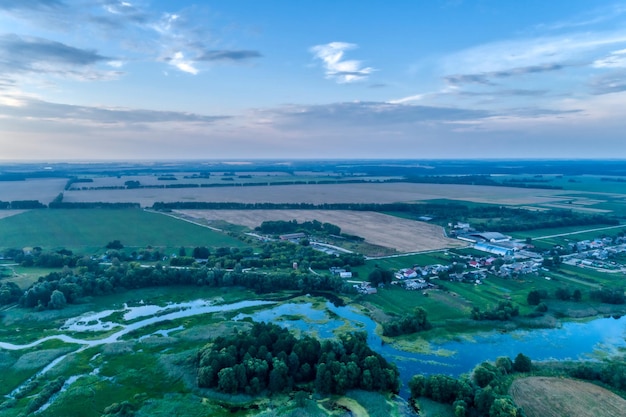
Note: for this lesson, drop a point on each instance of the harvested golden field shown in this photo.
(378, 229)
(556, 397)
(325, 193)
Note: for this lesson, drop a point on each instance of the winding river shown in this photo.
(588, 340)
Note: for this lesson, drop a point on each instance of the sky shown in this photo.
(312, 79)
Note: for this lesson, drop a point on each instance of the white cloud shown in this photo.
(617, 59)
(182, 64)
(342, 71)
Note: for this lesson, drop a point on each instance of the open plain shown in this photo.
(323, 193)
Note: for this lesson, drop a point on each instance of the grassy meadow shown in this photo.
(88, 230)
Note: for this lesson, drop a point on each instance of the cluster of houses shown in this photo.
(597, 253)
(365, 288)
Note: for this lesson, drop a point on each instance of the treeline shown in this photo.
(58, 203)
(231, 183)
(611, 372)
(410, 323)
(21, 205)
(604, 295)
(480, 180)
(92, 279)
(269, 359)
(505, 310)
(276, 227)
(92, 205)
(483, 394)
(70, 182)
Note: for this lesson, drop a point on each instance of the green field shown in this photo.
(87, 230)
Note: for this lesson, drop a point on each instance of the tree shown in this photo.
(504, 364)
(522, 363)
(57, 300)
(484, 374)
(227, 381)
(201, 252)
(533, 298)
(115, 244)
(504, 407)
(380, 276)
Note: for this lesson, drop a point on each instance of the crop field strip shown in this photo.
(94, 228)
(325, 193)
(379, 229)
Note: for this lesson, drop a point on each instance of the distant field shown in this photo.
(556, 397)
(9, 213)
(379, 229)
(44, 190)
(326, 193)
(81, 229)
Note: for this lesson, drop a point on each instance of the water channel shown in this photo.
(574, 340)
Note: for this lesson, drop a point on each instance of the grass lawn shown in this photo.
(87, 230)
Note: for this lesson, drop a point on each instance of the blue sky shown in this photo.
(110, 79)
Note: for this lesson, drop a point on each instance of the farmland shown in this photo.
(323, 193)
(378, 229)
(89, 230)
(152, 368)
(556, 397)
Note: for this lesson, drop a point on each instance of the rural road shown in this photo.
(581, 231)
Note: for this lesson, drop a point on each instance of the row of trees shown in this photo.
(505, 310)
(604, 295)
(268, 358)
(276, 227)
(484, 393)
(92, 279)
(21, 205)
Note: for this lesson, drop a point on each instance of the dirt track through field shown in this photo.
(556, 397)
(9, 213)
(379, 229)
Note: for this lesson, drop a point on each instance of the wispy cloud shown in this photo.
(21, 55)
(589, 18)
(486, 78)
(371, 114)
(614, 82)
(338, 69)
(183, 39)
(616, 59)
(226, 55)
(32, 108)
(537, 52)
